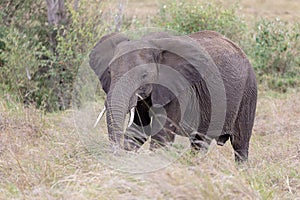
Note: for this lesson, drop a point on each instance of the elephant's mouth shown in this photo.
(131, 112)
(138, 99)
(141, 97)
(142, 104)
(135, 100)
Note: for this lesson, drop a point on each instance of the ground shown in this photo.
(41, 156)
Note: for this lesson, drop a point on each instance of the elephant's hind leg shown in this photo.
(243, 127)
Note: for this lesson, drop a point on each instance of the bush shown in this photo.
(40, 71)
(275, 54)
(21, 32)
(37, 69)
(18, 60)
(192, 16)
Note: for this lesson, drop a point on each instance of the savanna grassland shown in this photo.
(252, 9)
(41, 156)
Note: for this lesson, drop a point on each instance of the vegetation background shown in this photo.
(40, 52)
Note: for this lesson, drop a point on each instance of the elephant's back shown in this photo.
(227, 56)
(215, 43)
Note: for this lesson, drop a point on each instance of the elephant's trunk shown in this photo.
(114, 134)
(118, 103)
(122, 98)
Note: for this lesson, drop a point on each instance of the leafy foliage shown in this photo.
(275, 54)
(37, 69)
(192, 16)
(40, 71)
(22, 33)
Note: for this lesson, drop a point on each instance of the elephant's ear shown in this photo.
(161, 95)
(102, 54)
(175, 74)
(105, 80)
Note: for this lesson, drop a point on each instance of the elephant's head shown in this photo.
(131, 70)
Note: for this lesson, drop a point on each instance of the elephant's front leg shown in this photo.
(135, 137)
(164, 137)
(164, 124)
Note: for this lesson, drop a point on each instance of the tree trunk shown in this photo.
(56, 12)
(56, 15)
(76, 2)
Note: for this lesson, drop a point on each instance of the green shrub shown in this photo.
(33, 67)
(18, 60)
(275, 54)
(21, 33)
(192, 16)
(74, 40)
(39, 72)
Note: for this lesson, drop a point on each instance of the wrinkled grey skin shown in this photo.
(236, 72)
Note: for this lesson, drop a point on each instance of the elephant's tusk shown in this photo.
(131, 116)
(139, 96)
(100, 116)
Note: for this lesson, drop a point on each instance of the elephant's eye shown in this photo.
(144, 76)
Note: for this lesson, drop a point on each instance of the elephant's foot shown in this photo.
(241, 155)
(199, 143)
(134, 138)
(199, 147)
(162, 139)
(240, 144)
(155, 145)
(133, 143)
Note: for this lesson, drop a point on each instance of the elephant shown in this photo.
(167, 92)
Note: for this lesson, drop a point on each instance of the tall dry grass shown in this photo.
(42, 158)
